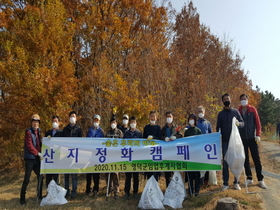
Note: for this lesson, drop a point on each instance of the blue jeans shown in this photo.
(225, 165)
(74, 184)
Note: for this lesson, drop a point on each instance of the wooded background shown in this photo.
(95, 56)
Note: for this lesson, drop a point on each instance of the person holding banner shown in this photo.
(94, 132)
(72, 130)
(124, 127)
(152, 131)
(169, 133)
(132, 133)
(114, 132)
(32, 156)
(250, 135)
(224, 123)
(54, 132)
(193, 176)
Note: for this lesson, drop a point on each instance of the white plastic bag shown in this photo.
(235, 156)
(152, 196)
(56, 195)
(212, 178)
(175, 192)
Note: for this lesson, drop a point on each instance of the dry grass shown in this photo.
(11, 184)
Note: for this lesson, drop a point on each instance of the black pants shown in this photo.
(193, 176)
(96, 178)
(156, 175)
(167, 178)
(50, 177)
(253, 146)
(31, 165)
(127, 184)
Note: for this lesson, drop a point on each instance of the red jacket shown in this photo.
(252, 124)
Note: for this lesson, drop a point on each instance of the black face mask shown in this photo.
(227, 103)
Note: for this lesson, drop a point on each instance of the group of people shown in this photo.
(248, 123)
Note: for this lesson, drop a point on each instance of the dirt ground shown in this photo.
(270, 157)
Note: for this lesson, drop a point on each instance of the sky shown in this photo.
(254, 28)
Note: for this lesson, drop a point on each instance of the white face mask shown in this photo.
(96, 124)
(191, 122)
(73, 120)
(55, 125)
(244, 102)
(133, 125)
(169, 120)
(113, 125)
(125, 122)
(152, 122)
(200, 115)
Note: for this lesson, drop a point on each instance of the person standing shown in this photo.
(71, 130)
(205, 127)
(224, 122)
(250, 135)
(193, 176)
(152, 131)
(94, 132)
(278, 131)
(124, 127)
(54, 132)
(32, 157)
(114, 132)
(169, 133)
(130, 134)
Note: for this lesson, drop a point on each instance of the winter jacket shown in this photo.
(50, 133)
(224, 122)
(163, 134)
(152, 130)
(30, 150)
(99, 132)
(123, 129)
(114, 133)
(252, 124)
(133, 135)
(192, 131)
(74, 131)
(204, 125)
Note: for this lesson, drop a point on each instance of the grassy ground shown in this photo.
(11, 184)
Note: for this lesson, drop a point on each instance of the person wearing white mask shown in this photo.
(132, 133)
(193, 176)
(94, 132)
(54, 132)
(152, 131)
(250, 135)
(169, 133)
(114, 132)
(71, 130)
(124, 127)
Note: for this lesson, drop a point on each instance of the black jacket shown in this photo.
(57, 134)
(74, 131)
(173, 128)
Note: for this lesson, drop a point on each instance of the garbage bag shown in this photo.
(152, 196)
(235, 155)
(175, 192)
(56, 195)
(213, 178)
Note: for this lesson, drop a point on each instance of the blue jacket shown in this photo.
(131, 135)
(95, 132)
(204, 125)
(30, 151)
(224, 122)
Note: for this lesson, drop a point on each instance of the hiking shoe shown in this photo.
(225, 187)
(249, 181)
(22, 202)
(236, 186)
(262, 185)
(95, 194)
(116, 195)
(135, 196)
(126, 196)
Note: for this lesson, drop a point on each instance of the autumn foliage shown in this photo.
(93, 56)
